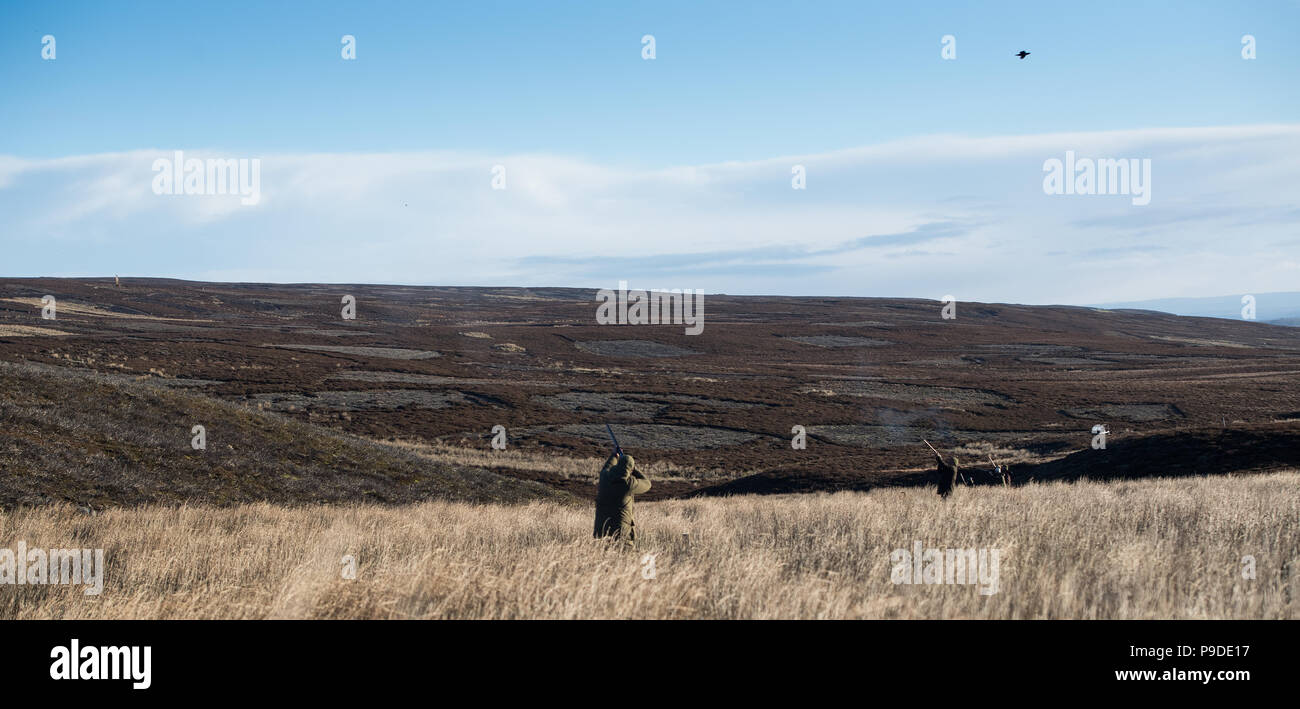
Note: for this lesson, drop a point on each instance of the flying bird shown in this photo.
(1022, 54)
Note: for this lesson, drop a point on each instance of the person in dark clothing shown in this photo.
(945, 476)
(619, 482)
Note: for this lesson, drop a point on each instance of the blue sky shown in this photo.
(676, 169)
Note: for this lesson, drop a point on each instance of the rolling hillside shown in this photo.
(102, 440)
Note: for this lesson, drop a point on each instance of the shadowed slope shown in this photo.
(1170, 454)
(1179, 454)
(107, 440)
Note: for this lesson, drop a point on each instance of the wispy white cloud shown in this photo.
(917, 217)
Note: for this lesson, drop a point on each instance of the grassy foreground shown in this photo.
(1147, 549)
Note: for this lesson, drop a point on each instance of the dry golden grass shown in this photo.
(1151, 549)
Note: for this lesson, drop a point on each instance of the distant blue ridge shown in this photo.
(1278, 308)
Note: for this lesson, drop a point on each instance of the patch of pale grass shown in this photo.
(29, 331)
(1149, 549)
(568, 467)
(69, 307)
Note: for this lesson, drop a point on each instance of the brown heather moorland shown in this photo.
(867, 377)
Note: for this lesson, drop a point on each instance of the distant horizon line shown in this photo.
(1103, 306)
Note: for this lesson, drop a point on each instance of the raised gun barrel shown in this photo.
(617, 448)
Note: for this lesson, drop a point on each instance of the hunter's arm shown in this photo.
(638, 482)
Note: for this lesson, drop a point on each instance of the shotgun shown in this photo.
(617, 448)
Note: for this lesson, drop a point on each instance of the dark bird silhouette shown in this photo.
(1022, 54)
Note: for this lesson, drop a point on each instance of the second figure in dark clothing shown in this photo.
(945, 476)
